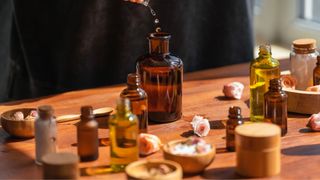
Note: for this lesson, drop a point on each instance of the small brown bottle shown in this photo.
(316, 73)
(276, 105)
(138, 100)
(87, 133)
(234, 120)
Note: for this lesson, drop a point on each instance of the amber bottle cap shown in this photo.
(159, 35)
(86, 112)
(45, 112)
(133, 79)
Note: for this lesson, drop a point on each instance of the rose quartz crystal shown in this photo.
(18, 116)
(201, 126)
(148, 144)
(233, 90)
(314, 122)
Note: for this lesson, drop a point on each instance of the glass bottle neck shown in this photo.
(159, 46)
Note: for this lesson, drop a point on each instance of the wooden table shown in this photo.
(202, 94)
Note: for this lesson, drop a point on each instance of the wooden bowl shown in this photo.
(303, 102)
(191, 164)
(20, 129)
(140, 170)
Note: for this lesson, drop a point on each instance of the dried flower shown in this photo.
(201, 126)
(233, 90)
(149, 144)
(289, 82)
(314, 122)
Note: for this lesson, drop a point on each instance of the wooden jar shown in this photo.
(60, 166)
(258, 149)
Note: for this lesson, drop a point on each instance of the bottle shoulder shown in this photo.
(261, 62)
(158, 60)
(134, 94)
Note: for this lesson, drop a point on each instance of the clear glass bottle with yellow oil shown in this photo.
(262, 70)
(124, 133)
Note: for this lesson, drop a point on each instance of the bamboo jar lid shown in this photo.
(258, 149)
(60, 166)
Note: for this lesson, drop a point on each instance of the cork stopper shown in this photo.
(86, 112)
(45, 112)
(304, 46)
(235, 112)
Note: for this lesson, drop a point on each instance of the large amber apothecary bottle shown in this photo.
(262, 70)
(161, 78)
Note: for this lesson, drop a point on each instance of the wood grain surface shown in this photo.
(202, 94)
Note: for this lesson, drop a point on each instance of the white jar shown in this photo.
(45, 133)
(303, 58)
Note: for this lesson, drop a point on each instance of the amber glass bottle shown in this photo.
(161, 77)
(87, 134)
(262, 69)
(276, 105)
(234, 120)
(316, 73)
(124, 132)
(138, 100)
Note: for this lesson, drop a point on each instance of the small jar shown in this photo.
(302, 60)
(45, 133)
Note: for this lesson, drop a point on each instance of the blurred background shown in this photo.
(49, 47)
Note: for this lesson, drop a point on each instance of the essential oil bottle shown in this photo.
(234, 120)
(138, 100)
(124, 133)
(87, 135)
(262, 69)
(316, 73)
(276, 105)
(161, 78)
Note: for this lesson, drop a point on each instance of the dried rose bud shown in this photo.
(18, 116)
(314, 122)
(233, 90)
(201, 126)
(314, 88)
(287, 81)
(33, 113)
(148, 144)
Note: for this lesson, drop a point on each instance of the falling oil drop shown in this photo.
(156, 21)
(158, 29)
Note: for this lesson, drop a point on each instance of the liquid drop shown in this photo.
(158, 29)
(156, 21)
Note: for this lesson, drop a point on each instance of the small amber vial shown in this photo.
(234, 120)
(276, 105)
(87, 135)
(138, 100)
(316, 73)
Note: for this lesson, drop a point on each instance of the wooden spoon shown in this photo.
(105, 111)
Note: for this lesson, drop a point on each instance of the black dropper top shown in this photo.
(235, 112)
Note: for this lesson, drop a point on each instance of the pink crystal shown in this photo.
(314, 122)
(200, 125)
(233, 90)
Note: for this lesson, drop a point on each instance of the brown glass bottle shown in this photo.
(276, 105)
(234, 120)
(87, 134)
(161, 77)
(316, 73)
(138, 100)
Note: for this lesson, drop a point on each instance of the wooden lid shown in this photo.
(258, 136)
(60, 159)
(304, 43)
